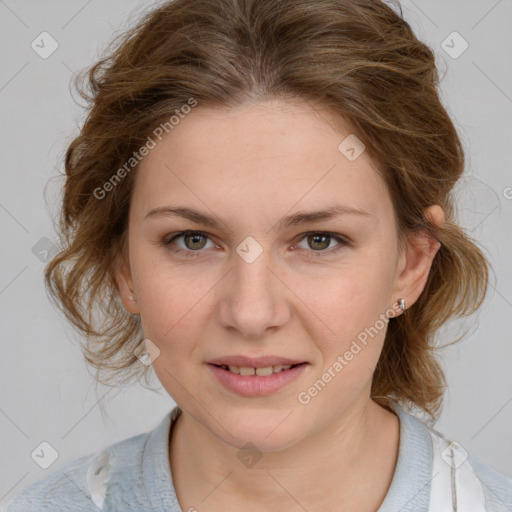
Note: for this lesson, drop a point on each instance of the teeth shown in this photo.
(261, 372)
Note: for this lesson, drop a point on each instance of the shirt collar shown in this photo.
(411, 483)
(156, 466)
(409, 490)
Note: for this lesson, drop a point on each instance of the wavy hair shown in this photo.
(359, 59)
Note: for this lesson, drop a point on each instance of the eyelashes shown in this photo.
(185, 252)
(169, 243)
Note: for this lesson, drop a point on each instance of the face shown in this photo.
(251, 282)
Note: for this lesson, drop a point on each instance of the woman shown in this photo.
(259, 208)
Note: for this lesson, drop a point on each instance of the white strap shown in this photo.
(455, 487)
(97, 477)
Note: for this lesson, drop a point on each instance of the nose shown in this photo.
(254, 300)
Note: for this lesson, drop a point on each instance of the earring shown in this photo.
(130, 297)
(401, 303)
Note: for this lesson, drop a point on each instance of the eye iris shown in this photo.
(194, 236)
(315, 237)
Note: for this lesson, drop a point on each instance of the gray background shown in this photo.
(47, 393)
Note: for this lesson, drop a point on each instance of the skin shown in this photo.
(250, 166)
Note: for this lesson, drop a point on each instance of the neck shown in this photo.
(341, 463)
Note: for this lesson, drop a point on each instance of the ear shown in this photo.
(416, 260)
(125, 282)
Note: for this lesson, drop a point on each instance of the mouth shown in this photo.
(264, 371)
(250, 381)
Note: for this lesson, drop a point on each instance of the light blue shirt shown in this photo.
(133, 475)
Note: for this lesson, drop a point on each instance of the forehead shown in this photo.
(263, 157)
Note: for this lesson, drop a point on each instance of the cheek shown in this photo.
(346, 325)
(344, 304)
(173, 305)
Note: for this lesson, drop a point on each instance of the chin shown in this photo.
(266, 430)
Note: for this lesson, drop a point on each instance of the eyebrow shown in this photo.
(291, 220)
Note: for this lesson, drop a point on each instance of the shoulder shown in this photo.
(477, 485)
(82, 483)
(497, 487)
(447, 474)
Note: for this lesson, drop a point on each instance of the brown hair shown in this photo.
(359, 59)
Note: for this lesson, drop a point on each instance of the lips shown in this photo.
(256, 381)
(255, 362)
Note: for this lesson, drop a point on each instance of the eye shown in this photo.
(193, 242)
(319, 241)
